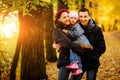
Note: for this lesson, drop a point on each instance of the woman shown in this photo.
(62, 22)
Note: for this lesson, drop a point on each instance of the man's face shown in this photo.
(84, 18)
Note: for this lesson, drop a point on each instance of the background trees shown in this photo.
(31, 38)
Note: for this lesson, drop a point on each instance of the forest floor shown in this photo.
(110, 60)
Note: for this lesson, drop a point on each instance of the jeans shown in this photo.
(64, 74)
(78, 77)
(91, 75)
(75, 58)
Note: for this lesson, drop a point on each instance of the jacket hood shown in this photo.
(90, 26)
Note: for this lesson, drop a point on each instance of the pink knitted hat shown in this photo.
(73, 14)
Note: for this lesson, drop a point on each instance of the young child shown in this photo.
(75, 33)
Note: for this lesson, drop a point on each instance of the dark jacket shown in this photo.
(90, 60)
(67, 44)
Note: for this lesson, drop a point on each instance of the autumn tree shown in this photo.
(83, 4)
(105, 12)
(1, 55)
(33, 61)
(62, 4)
(49, 26)
(30, 39)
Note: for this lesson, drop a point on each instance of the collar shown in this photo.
(90, 26)
(60, 25)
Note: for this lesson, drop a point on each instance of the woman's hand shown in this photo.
(85, 46)
(90, 47)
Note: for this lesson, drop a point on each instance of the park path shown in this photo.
(110, 60)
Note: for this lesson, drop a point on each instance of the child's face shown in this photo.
(73, 20)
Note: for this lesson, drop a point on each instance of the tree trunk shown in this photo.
(15, 60)
(16, 56)
(83, 4)
(61, 4)
(0, 73)
(49, 26)
(32, 59)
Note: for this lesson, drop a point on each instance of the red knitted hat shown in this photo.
(59, 12)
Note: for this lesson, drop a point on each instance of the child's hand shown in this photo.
(65, 31)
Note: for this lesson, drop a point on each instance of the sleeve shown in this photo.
(75, 32)
(62, 39)
(99, 47)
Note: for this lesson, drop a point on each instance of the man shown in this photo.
(90, 59)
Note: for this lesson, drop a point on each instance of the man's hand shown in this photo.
(56, 46)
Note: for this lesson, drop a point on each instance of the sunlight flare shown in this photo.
(9, 29)
(10, 25)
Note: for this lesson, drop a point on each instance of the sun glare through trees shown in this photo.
(9, 26)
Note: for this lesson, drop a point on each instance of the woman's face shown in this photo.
(64, 18)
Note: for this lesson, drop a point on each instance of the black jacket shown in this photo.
(67, 44)
(90, 60)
